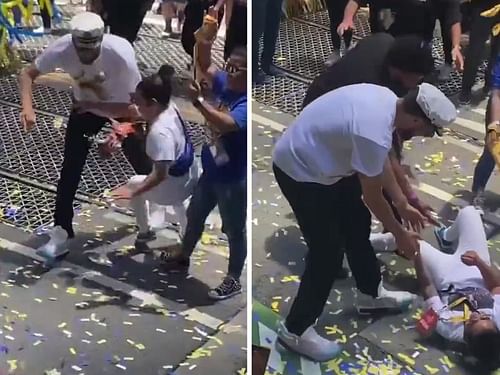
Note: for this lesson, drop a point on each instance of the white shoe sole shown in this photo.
(215, 296)
(284, 348)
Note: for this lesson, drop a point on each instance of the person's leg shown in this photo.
(315, 208)
(356, 228)
(494, 50)
(436, 264)
(76, 147)
(202, 203)
(46, 20)
(232, 203)
(479, 34)
(140, 205)
(485, 165)
(258, 25)
(237, 30)
(468, 230)
(271, 32)
(335, 10)
(168, 12)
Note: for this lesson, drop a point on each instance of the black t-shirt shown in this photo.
(365, 63)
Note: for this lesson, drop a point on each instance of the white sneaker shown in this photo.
(445, 72)
(383, 242)
(55, 247)
(387, 301)
(41, 30)
(176, 26)
(309, 344)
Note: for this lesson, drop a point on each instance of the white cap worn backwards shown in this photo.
(437, 107)
(87, 30)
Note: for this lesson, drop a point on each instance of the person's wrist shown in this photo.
(401, 203)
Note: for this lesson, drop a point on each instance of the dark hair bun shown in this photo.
(166, 73)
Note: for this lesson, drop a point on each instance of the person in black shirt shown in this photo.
(399, 64)
(480, 31)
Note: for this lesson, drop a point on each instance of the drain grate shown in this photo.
(38, 155)
(26, 207)
(302, 48)
(321, 19)
(281, 92)
(153, 53)
(45, 98)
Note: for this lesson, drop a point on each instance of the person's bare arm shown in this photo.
(221, 122)
(456, 36)
(204, 60)
(350, 11)
(157, 175)
(26, 79)
(400, 175)
(495, 105)
(374, 199)
(490, 273)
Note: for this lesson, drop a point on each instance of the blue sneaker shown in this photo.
(445, 246)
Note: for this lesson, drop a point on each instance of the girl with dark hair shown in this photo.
(175, 172)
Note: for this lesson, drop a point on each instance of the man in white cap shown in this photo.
(105, 72)
(331, 165)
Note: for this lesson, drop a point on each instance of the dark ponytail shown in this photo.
(158, 87)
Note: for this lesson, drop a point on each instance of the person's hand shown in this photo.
(213, 11)
(412, 218)
(346, 25)
(458, 58)
(194, 90)
(28, 119)
(471, 258)
(133, 112)
(407, 243)
(122, 193)
(426, 210)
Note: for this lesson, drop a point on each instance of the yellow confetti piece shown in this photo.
(291, 278)
(72, 351)
(333, 330)
(71, 290)
(140, 346)
(431, 370)
(12, 365)
(407, 359)
(101, 341)
(62, 325)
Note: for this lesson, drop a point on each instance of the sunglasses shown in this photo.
(230, 68)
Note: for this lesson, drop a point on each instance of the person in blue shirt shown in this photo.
(223, 182)
(486, 163)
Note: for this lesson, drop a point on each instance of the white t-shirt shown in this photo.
(455, 331)
(111, 78)
(166, 142)
(345, 131)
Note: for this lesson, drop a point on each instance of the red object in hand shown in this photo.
(427, 323)
(114, 139)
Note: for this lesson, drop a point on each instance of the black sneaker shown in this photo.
(173, 262)
(465, 98)
(228, 288)
(142, 238)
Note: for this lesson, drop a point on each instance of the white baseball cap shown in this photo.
(436, 106)
(87, 29)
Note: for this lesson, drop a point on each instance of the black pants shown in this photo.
(336, 15)
(193, 19)
(480, 31)
(236, 34)
(76, 148)
(265, 24)
(438, 12)
(46, 20)
(331, 218)
(125, 18)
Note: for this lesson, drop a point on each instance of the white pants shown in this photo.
(445, 269)
(149, 203)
